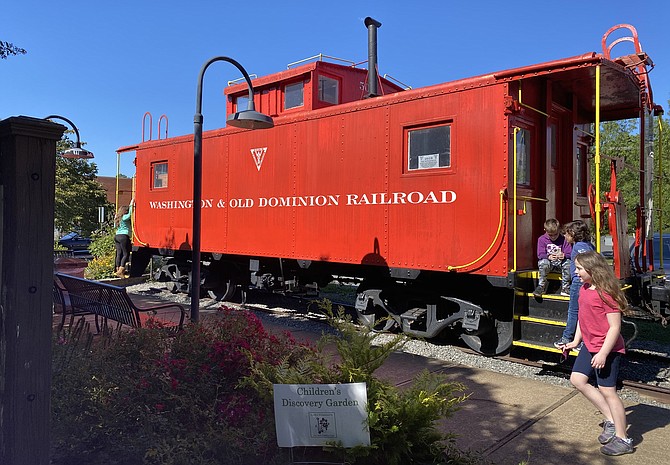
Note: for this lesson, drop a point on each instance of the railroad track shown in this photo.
(658, 393)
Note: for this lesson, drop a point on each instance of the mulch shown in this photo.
(71, 266)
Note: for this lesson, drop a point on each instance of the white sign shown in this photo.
(429, 161)
(318, 414)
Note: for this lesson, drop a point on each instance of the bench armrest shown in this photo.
(155, 310)
(159, 307)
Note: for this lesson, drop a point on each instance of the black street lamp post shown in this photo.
(77, 151)
(246, 119)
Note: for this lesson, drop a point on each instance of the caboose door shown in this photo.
(528, 190)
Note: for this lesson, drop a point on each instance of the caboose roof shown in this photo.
(619, 86)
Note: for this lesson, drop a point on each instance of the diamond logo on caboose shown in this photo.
(258, 155)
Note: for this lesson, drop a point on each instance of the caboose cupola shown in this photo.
(317, 82)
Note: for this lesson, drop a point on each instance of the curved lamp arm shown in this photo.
(77, 151)
(247, 119)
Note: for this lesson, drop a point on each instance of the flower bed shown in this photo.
(205, 396)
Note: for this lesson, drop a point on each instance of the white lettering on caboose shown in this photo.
(302, 201)
(179, 204)
(396, 198)
(329, 200)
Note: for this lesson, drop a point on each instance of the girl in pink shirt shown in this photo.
(601, 302)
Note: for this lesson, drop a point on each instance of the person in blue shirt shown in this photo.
(122, 222)
(578, 234)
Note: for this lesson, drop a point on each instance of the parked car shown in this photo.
(75, 243)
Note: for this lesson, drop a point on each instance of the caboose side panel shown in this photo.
(163, 210)
(410, 182)
(260, 183)
(454, 232)
(303, 200)
(344, 174)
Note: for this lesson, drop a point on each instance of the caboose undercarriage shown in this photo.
(489, 314)
(426, 304)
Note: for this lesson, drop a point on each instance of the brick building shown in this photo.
(125, 189)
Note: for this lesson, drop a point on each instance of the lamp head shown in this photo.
(77, 152)
(250, 118)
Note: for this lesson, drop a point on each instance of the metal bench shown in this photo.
(109, 302)
(61, 304)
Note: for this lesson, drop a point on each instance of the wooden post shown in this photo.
(27, 174)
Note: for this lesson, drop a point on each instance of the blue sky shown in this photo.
(104, 64)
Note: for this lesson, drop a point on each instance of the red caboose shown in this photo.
(433, 198)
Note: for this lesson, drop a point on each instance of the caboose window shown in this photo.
(551, 145)
(242, 102)
(580, 181)
(523, 157)
(429, 148)
(293, 95)
(159, 175)
(328, 90)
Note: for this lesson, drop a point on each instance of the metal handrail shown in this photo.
(527, 197)
(402, 84)
(598, 206)
(235, 81)
(320, 57)
(493, 242)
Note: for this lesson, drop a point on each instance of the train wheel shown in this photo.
(385, 325)
(225, 291)
(494, 337)
(372, 312)
(177, 275)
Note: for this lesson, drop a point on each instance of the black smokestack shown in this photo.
(372, 26)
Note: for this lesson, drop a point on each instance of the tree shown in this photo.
(78, 194)
(7, 49)
(620, 140)
(662, 175)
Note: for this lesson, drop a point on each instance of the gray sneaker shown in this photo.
(618, 446)
(608, 433)
(561, 342)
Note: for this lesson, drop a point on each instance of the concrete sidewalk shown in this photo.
(513, 419)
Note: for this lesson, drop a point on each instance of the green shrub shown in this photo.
(103, 250)
(100, 268)
(402, 423)
(102, 242)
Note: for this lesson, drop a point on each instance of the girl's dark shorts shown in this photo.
(606, 376)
